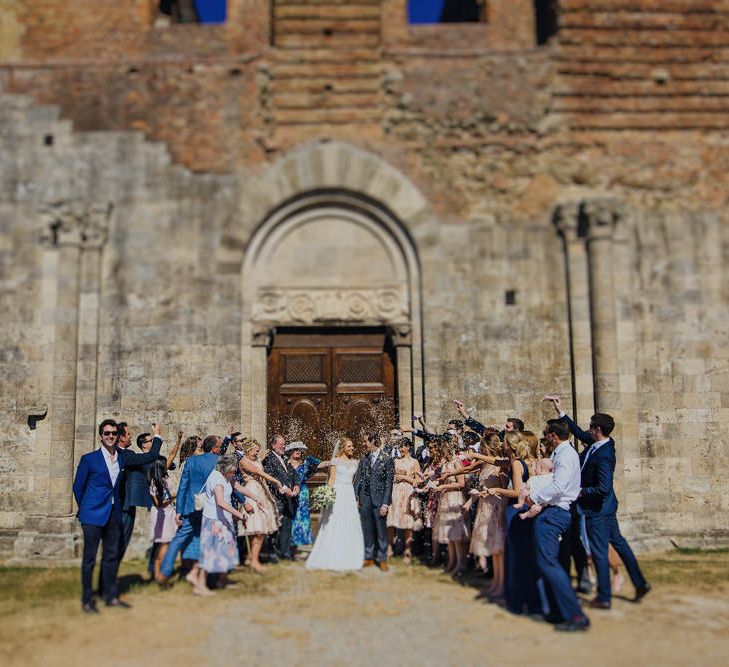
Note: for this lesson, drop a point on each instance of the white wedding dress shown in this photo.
(339, 544)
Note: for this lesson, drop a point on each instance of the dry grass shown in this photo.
(356, 619)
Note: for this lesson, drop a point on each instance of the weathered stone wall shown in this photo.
(602, 153)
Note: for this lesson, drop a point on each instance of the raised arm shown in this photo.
(582, 436)
(137, 459)
(460, 482)
(175, 449)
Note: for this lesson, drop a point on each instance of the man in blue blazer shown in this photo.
(96, 488)
(195, 473)
(599, 504)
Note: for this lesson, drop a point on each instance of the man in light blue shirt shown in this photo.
(552, 522)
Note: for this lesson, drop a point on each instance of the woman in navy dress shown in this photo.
(305, 466)
(521, 594)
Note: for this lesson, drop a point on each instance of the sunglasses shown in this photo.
(109, 433)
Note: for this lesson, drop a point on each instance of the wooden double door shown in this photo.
(326, 385)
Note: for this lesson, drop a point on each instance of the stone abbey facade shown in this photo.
(514, 216)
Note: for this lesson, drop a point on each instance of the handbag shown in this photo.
(200, 498)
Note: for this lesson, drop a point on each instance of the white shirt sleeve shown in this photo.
(563, 480)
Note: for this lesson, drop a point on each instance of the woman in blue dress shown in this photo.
(305, 466)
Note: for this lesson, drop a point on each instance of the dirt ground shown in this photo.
(408, 616)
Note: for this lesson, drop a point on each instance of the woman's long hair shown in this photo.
(156, 474)
(188, 447)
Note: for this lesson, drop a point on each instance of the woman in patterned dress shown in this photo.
(218, 544)
(404, 512)
(305, 466)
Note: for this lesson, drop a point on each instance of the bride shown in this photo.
(339, 544)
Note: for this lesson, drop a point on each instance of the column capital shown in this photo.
(566, 218)
(601, 217)
(78, 224)
(261, 335)
(401, 334)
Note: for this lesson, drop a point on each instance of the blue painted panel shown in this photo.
(211, 11)
(424, 11)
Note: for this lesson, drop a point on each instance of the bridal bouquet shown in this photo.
(322, 497)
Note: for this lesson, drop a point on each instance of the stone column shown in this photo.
(566, 220)
(260, 342)
(600, 218)
(72, 229)
(401, 336)
(94, 238)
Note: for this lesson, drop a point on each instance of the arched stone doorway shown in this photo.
(330, 263)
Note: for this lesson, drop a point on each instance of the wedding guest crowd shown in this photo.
(502, 501)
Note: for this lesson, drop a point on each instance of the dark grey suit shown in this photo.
(373, 488)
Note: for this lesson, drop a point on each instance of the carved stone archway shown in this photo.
(330, 258)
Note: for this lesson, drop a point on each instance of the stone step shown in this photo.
(646, 6)
(15, 102)
(345, 70)
(348, 115)
(325, 100)
(609, 86)
(337, 40)
(638, 54)
(650, 70)
(645, 39)
(325, 85)
(638, 20)
(326, 11)
(646, 121)
(310, 3)
(644, 103)
(324, 56)
(325, 26)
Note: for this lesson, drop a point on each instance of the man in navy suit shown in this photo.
(135, 491)
(373, 488)
(599, 504)
(287, 498)
(195, 473)
(96, 489)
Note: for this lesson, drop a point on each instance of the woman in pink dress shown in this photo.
(450, 525)
(488, 528)
(162, 527)
(265, 519)
(404, 512)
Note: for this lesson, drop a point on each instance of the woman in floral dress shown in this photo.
(305, 466)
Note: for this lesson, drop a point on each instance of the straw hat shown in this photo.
(295, 445)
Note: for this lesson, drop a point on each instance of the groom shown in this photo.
(373, 489)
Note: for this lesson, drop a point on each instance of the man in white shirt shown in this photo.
(552, 522)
